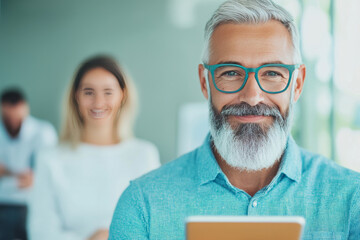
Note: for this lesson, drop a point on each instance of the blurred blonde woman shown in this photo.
(78, 183)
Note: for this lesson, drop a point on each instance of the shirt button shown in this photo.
(255, 203)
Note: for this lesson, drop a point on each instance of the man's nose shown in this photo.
(251, 93)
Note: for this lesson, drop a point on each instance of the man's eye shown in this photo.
(108, 93)
(272, 74)
(231, 73)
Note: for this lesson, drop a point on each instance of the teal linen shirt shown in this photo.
(156, 205)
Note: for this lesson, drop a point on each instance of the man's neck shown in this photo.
(250, 182)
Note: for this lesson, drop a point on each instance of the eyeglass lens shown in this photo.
(231, 78)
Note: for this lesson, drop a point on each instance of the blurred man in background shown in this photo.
(21, 135)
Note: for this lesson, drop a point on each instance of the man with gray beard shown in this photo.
(249, 146)
(249, 165)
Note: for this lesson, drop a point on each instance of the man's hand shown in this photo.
(101, 234)
(25, 179)
(4, 171)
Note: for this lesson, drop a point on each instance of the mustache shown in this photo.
(244, 109)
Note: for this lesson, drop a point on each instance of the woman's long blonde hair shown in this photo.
(73, 123)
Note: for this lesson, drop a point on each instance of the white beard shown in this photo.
(250, 147)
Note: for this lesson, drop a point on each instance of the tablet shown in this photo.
(244, 227)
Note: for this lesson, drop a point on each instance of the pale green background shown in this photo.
(159, 42)
(42, 43)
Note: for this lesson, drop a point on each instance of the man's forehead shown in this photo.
(270, 42)
(8, 105)
(263, 27)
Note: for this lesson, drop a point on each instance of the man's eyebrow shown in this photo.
(239, 63)
(272, 62)
(230, 62)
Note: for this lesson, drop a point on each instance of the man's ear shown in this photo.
(299, 81)
(202, 79)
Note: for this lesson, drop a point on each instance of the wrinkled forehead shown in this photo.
(266, 40)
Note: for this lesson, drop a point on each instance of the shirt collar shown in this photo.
(207, 166)
(209, 169)
(291, 163)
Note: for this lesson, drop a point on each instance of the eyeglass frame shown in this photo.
(290, 68)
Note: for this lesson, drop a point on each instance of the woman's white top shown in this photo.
(76, 189)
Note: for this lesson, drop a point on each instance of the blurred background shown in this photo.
(159, 43)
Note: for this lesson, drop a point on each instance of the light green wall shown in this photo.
(42, 43)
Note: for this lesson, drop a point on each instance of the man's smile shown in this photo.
(251, 118)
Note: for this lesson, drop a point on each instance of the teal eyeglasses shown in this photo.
(271, 78)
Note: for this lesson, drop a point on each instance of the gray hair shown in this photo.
(251, 12)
